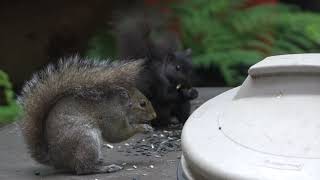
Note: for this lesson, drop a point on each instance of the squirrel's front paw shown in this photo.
(190, 93)
(145, 128)
(193, 93)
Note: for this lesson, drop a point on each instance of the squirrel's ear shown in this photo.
(123, 94)
(188, 52)
(170, 57)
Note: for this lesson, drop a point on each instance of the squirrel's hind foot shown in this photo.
(100, 169)
(111, 168)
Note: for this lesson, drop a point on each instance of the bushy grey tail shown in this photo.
(44, 89)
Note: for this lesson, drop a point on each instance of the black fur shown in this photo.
(165, 80)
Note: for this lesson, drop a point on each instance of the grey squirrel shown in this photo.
(70, 107)
(165, 79)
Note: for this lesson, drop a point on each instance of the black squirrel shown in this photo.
(165, 79)
(68, 108)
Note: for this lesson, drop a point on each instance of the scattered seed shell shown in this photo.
(109, 146)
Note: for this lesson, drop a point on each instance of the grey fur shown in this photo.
(66, 102)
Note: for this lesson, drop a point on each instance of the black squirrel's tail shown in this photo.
(143, 35)
(70, 74)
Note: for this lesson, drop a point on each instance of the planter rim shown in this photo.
(267, 128)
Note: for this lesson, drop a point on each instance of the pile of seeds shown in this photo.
(157, 143)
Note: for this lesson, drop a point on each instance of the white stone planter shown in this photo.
(268, 128)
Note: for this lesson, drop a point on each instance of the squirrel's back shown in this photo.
(69, 76)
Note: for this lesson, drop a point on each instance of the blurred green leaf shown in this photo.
(9, 112)
(227, 34)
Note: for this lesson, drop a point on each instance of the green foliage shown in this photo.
(8, 113)
(5, 83)
(227, 34)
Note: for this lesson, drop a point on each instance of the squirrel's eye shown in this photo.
(178, 67)
(143, 104)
